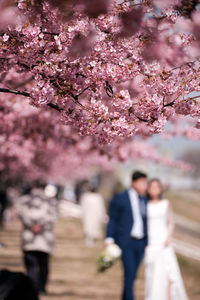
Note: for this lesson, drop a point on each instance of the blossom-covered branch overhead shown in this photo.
(109, 70)
(106, 66)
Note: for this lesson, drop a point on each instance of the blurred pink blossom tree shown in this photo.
(107, 70)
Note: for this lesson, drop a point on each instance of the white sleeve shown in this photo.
(170, 219)
(109, 240)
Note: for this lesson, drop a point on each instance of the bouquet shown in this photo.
(108, 257)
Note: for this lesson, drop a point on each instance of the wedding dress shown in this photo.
(163, 277)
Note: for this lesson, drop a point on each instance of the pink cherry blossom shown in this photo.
(97, 73)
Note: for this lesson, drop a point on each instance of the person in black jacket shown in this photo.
(16, 285)
(3, 204)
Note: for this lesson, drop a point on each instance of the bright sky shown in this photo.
(174, 147)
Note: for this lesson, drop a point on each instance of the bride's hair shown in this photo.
(160, 184)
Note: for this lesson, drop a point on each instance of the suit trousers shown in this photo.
(132, 256)
(36, 263)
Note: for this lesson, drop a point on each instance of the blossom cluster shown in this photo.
(117, 64)
(110, 71)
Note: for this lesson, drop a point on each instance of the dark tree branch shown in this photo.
(50, 33)
(169, 104)
(22, 93)
(56, 107)
(74, 97)
(173, 102)
(25, 94)
(85, 89)
(109, 90)
(131, 111)
(141, 119)
(79, 74)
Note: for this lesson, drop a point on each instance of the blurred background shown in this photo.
(73, 264)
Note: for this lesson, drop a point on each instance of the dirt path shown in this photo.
(73, 267)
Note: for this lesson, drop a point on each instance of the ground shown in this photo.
(73, 266)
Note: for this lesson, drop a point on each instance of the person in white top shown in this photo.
(93, 214)
(38, 212)
(163, 279)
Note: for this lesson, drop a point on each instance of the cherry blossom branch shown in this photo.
(74, 97)
(189, 63)
(191, 98)
(173, 102)
(56, 107)
(131, 111)
(133, 4)
(85, 89)
(26, 94)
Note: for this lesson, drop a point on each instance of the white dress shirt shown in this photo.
(137, 230)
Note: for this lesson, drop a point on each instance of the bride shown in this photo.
(163, 277)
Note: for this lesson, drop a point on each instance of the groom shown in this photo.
(127, 227)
